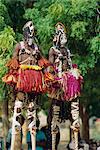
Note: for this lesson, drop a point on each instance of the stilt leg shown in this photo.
(32, 123)
(75, 124)
(16, 126)
(54, 125)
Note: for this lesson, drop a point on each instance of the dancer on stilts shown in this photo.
(59, 60)
(67, 82)
(27, 77)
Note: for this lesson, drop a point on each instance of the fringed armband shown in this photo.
(13, 64)
(43, 62)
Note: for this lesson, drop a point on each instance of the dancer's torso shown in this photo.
(28, 55)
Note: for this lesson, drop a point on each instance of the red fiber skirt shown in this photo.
(71, 86)
(30, 80)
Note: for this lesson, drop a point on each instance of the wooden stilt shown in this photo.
(16, 127)
(55, 124)
(75, 124)
(32, 125)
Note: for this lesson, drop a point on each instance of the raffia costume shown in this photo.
(26, 75)
(26, 69)
(67, 82)
(67, 76)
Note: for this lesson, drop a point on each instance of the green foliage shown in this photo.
(15, 1)
(56, 10)
(7, 41)
(91, 91)
(19, 37)
(4, 13)
(2, 23)
(16, 11)
(95, 44)
(83, 9)
(79, 30)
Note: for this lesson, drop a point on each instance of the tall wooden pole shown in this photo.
(75, 122)
(32, 124)
(18, 104)
(33, 131)
(54, 125)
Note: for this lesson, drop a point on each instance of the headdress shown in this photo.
(59, 23)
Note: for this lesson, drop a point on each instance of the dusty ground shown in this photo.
(62, 146)
(64, 136)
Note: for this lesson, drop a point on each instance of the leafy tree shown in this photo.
(7, 41)
(17, 7)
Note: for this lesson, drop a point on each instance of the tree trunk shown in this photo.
(5, 120)
(85, 123)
